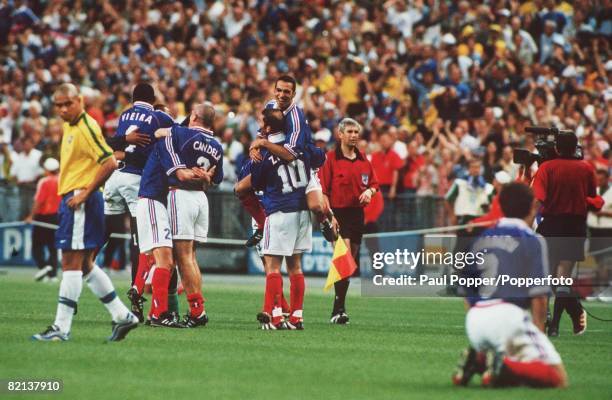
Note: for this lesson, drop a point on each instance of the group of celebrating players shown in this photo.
(167, 168)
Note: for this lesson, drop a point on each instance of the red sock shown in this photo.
(196, 304)
(274, 292)
(141, 274)
(298, 287)
(251, 203)
(284, 304)
(161, 280)
(534, 373)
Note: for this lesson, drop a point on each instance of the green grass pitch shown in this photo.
(400, 348)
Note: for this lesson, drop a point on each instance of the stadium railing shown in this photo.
(229, 227)
(229, 220)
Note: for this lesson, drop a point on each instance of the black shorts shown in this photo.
(565, 236)
(351, 222)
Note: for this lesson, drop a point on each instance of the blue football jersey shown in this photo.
(145, 119)
(153, 183)
(297, 130)
(191, 147)
(511, 250)
(283, 184)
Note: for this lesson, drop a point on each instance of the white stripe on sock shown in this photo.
(101, 285)
(70, 288)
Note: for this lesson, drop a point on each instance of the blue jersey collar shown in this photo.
(143, 104)
(274, 104)
(203, 130)
(290, 108)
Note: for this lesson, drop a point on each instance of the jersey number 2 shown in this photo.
(293, 175)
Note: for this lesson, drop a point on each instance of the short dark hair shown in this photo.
(516, 200)
(143, 92)
(566, 143)
(287, 78)
(274, 118)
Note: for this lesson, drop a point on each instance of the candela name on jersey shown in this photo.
(207, 148)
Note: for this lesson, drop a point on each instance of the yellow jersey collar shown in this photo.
(76, 121)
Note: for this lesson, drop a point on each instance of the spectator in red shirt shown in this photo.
(413, 163)
(386, 164)
(349, 183)
(46, 205)
(562, 187)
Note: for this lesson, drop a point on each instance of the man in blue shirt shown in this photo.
(297, 141)
(191, 148)
(287, 230)
(505, 322)
(155, 225)
(134, 138)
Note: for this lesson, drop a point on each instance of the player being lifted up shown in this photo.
(134, 139)
(507, 343)
(297, 141)
(244, 186)
(186, 148)
(287, 229)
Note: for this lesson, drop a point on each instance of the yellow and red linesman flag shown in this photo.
(342, 264)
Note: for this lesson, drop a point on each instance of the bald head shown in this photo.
(203, 115)
(68, 102)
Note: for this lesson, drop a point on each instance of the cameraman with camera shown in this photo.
(562, 185)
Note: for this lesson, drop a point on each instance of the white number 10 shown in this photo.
(293, 175)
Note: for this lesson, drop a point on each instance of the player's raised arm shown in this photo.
(162, 132)
(276, 149)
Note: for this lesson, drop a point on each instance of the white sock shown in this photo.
(69, 292)
(101, 285)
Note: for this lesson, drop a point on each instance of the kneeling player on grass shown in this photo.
(507, 343)
(191, 147)
(287, 229)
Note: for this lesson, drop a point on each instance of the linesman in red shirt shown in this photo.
(348, 183)
(46, 204)
(562, 186)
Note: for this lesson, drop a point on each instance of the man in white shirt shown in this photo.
(26, 170)
(26, 164)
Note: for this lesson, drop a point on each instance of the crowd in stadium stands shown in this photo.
(435, 83)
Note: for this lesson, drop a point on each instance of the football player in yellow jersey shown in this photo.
(86, 162)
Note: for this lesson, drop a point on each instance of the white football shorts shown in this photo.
(121, 193)
(499, 326)
(286, 234)
(188, 212)
(314, 183)
(153, 225)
